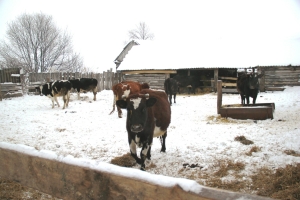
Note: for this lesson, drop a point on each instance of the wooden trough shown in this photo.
(71, 179)
(259, 111)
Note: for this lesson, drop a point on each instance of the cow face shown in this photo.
(137, 111)
(253, 81)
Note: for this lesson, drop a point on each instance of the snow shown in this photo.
(85, 134)
(157, 55)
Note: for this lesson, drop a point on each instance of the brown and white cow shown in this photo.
(148, 116)
(125, 88)
(56, 89)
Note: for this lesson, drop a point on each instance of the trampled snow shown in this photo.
(85, 134)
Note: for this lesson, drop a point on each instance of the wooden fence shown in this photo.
(276, 77)
(11, 75)
(105, 80)
(12, 83)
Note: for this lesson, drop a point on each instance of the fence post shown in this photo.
(0, 93)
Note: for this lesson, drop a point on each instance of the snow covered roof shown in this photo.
(186, 54)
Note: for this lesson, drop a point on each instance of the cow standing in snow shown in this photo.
(56, 89)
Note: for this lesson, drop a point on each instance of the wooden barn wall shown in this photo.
(6, 75)
(156, 81)
(279, 76)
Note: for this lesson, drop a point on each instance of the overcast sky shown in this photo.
(100, 28)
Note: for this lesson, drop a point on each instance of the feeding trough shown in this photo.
(258, 111)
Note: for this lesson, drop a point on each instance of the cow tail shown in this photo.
(114, 105)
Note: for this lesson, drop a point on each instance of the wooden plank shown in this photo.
(64, 179)
(229, 84)
(230, 90)
(275, 89)
(150, 72)
(227, 78)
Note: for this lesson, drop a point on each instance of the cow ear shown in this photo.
(150, 102)
(121, 103)
(260, 75)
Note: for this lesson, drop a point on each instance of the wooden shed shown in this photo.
(153, 62)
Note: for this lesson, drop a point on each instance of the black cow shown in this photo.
(56, 89)
(248, 86)
(85, 85)
(148, 116)
(187, 81)
(171, 88)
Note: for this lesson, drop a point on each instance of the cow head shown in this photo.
(137, 110)
(253, 80)
(39, 89)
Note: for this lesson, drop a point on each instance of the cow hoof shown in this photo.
(143, 167)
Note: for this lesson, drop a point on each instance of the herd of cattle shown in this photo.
(148, 111)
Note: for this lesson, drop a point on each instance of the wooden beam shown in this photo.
(73, 180)
(228, 78)
(229, 84)
(150, 72)
(219, 96)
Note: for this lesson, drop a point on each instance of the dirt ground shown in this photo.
(10, 190)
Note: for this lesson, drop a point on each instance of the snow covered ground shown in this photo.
(196, 135)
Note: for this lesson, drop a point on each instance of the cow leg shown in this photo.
(78, 94)
(119, 112)
(52, 99)
(170, 98)
(65, 100)
(144, 154)
(175, 98)
(242, 99)
(254, 99)
(95, 93)
(247, 98)
(55, 99)
(163, 142)
(149, 153)
(94, 96)
(132, 147)
(68, 98)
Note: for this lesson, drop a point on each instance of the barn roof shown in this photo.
(154, 55)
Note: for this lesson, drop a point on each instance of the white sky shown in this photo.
(99, 28)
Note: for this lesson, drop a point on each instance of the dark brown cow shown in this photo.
(125, 88)
(171, 88)
(148, 116)
(248, 86)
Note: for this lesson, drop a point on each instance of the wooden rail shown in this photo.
(72, 179)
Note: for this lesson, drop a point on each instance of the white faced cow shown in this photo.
(56, 89)
(148, 116)
(126, 88)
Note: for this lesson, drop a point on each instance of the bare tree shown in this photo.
(142, 32)
(37, 45)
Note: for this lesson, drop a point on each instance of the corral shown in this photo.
(259, 111)
(200, 144)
